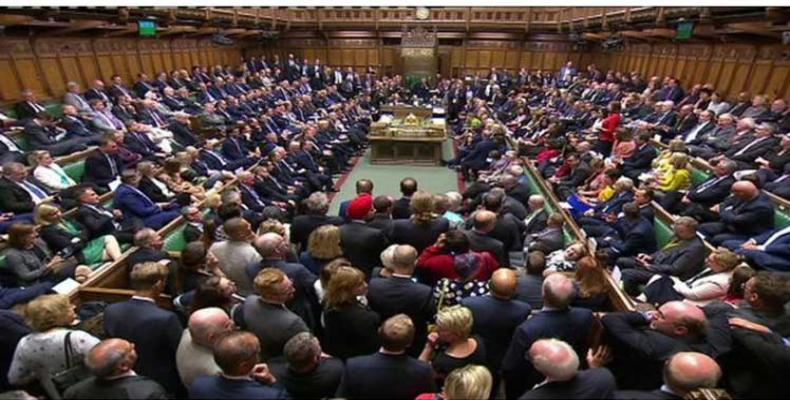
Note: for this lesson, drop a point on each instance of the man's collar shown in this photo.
(142, 298)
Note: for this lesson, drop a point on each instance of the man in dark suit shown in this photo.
(134, 203)
(702, 197)
(308, 373)
(762, 142)
(154, 331)
(508, 227)
(390, 373)
(480, 238)
(316, 207)
(496, 317)
(682, 257)
(549, 239)
(111, 362)
(401, 294)
(361, 243)
(634, 234)
(266, 315)
(274, 249)
(642, 343)
(182, 133)
(747, 212)
(78, 128)
(683, 373)
(536, 220)
(44, 135)
(768, 251)
(10, 150)
(556, 320)
(580, 172)
(642, 158)
(29, 107)
(243, 376)
(382, 219)
(118, 89)
(103, 166)
(149, 243)
(559, 363)
(17, 194)
(402, 209)
(100, 221)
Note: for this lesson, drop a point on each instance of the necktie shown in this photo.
(217, 156)
(158, 121)
(113, 167)
(9, 143)
(674, 243)
(35, 190)
(36, 107)
(708, 184)
(748, 146)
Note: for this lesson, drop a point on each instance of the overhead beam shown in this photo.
(16, 19)
(174, 30)
(755, 28)
(76, 26)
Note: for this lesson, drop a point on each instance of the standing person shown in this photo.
(390, 373)
(452, 345)
(242, 377)
(350, 326)
(608, 128)
(308, 373)
(155, 332)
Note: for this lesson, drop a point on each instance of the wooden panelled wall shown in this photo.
(475, 57)
(46, 64)
(732, 68)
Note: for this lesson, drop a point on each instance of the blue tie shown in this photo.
(33, 188)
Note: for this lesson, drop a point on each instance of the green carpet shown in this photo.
(386, 178)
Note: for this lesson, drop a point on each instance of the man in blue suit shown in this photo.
(746, 213)
(476, 160)
(642, 159)
(556, 320)
(134, 203)
(390, 373)
(636, 234)
(770, 251)
(243, 377)
(496, 317)
(154, 331)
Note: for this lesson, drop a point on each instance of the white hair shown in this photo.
(555, 359)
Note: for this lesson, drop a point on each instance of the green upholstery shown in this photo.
(175, 241)
(698, 176)
(75, 170)
(2, 260)
(664, 232)
(781, 218)
(55, 109)
(568, 237)
(23, 142)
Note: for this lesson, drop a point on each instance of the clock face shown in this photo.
(423, 13)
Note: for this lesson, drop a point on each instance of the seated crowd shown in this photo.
(471, 295)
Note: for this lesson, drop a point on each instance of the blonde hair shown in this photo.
(421, 205)
(268, 280)
(456, 319)
(48, 311)
(273, 226)
(342, 287)
(44, 213)
(472, 382)
(213, 200)
(146, 275)
(679, 160)
(324, 243)
(677, 146)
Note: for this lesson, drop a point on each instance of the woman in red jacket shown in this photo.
(609, 126)
(437, 261)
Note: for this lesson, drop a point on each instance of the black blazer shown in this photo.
(96, 224)
(406, 231)
(641, 159)
(152, 191)
(98, 169)
(384, 223)
(401, 208)
(362, 245)
(303, 225)
(712, 191)
(15, 199)
(385, 376)
(595, 383)
(183, 135)
(645, 395)
(155, 333)
(351, 331)
(58, 238)
(495, 320)
(481, 242)
(571, 325)
(395, 295)
(24, 110)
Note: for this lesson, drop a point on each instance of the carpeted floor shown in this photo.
(386, 178)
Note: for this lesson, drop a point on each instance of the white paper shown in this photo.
(114, 184)
(66, 286)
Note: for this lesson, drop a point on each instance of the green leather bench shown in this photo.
(75, 170)
(175, 241)
(664, 232)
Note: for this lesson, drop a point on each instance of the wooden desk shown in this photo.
(406, 150)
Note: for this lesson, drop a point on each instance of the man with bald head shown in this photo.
(496, 316)
(746, 213)
(558, 320)
(195, 354)
(559, 363)
(643, 342)
(402, 294)
(683, 373)
(111, 362)
(274, 249)
(480, 239)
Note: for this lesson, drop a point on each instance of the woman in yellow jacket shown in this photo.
(677, 177)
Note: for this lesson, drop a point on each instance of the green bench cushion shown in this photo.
(664, 232)
(698, 176)
(781, 218)
(175, 241)
(75, 170)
